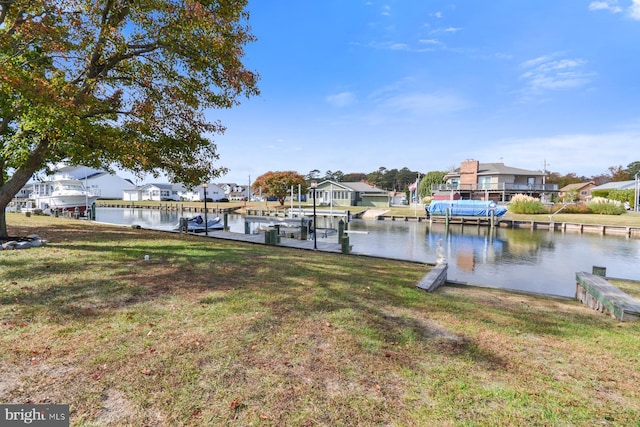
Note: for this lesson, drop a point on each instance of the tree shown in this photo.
(278, 184)
(618, 173)
(633, 169)
(430, 179)
(312, 175)
(377, 177)
(354, 177)
(563, 180)
(117, 84)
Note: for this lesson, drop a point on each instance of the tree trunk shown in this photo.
(10, 188)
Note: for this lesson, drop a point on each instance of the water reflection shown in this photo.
(540, 261)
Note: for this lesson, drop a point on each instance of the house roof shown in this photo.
(576, 186)
(617, 185)
(359, 187)
(499, 169)
(160, 186)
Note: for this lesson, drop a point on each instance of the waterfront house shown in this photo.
(157, 192)
(103, 184)
(332, 193)
(492, 181)
(234, 191)
(581, 191)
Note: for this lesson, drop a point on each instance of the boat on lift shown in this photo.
(62, 193)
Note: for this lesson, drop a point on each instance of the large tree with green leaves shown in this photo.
(278, 184)
(116, 83)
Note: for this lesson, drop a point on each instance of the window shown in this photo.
(484, 183)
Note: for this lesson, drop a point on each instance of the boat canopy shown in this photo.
(465, 208)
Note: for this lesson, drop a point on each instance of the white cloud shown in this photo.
(547, 73)
(341, 99)
(610, 5)
(634, 10)
(430, 41)
(421, 104)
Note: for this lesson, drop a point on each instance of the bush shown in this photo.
(523, 204)
(602, 206)
(573, 209)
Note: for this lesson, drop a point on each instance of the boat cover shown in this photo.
(465, 208)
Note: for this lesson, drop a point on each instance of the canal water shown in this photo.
(540, 261)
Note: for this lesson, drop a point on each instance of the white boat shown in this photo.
(196, 224)
(62, 193)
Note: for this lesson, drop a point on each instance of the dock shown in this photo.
(435, 278)
(601, 295)
(259, 238)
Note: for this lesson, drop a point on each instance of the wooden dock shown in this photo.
(435, 278)
(603, 230)
(601, 295)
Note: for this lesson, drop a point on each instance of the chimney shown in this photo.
(469, 173)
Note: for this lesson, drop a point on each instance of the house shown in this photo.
(493, 181)
(332, 193)
(104, 184)
(214, 193)
(98, 181)
(581, 191)
(158, 192)
(234, 191)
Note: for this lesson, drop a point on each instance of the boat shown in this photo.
(62, 193)
(472, 208)
(196, 224)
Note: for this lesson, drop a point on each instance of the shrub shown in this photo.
(573, 209)
(602, 206)
(523, 204)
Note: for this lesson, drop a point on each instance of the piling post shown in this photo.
(446, 220)
(340, 230)
(599, 271)
(345, 245)
(247, 228)
(226, 221)
(303, 229)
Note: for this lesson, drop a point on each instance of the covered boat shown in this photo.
(465, 208)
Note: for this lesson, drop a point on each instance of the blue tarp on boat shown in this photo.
(465, 208)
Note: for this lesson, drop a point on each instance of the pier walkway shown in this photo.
(601, 295)
(259, 238)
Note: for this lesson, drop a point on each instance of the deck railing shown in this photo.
(496, 187)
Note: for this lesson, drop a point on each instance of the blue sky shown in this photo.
(355, 85)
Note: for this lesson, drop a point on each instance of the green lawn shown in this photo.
(211, 332)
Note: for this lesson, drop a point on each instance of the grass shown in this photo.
(211, 332)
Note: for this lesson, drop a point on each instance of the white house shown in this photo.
(99, 182)
(196, 194)
(157, 192)
(234, 191)
(175, 192)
